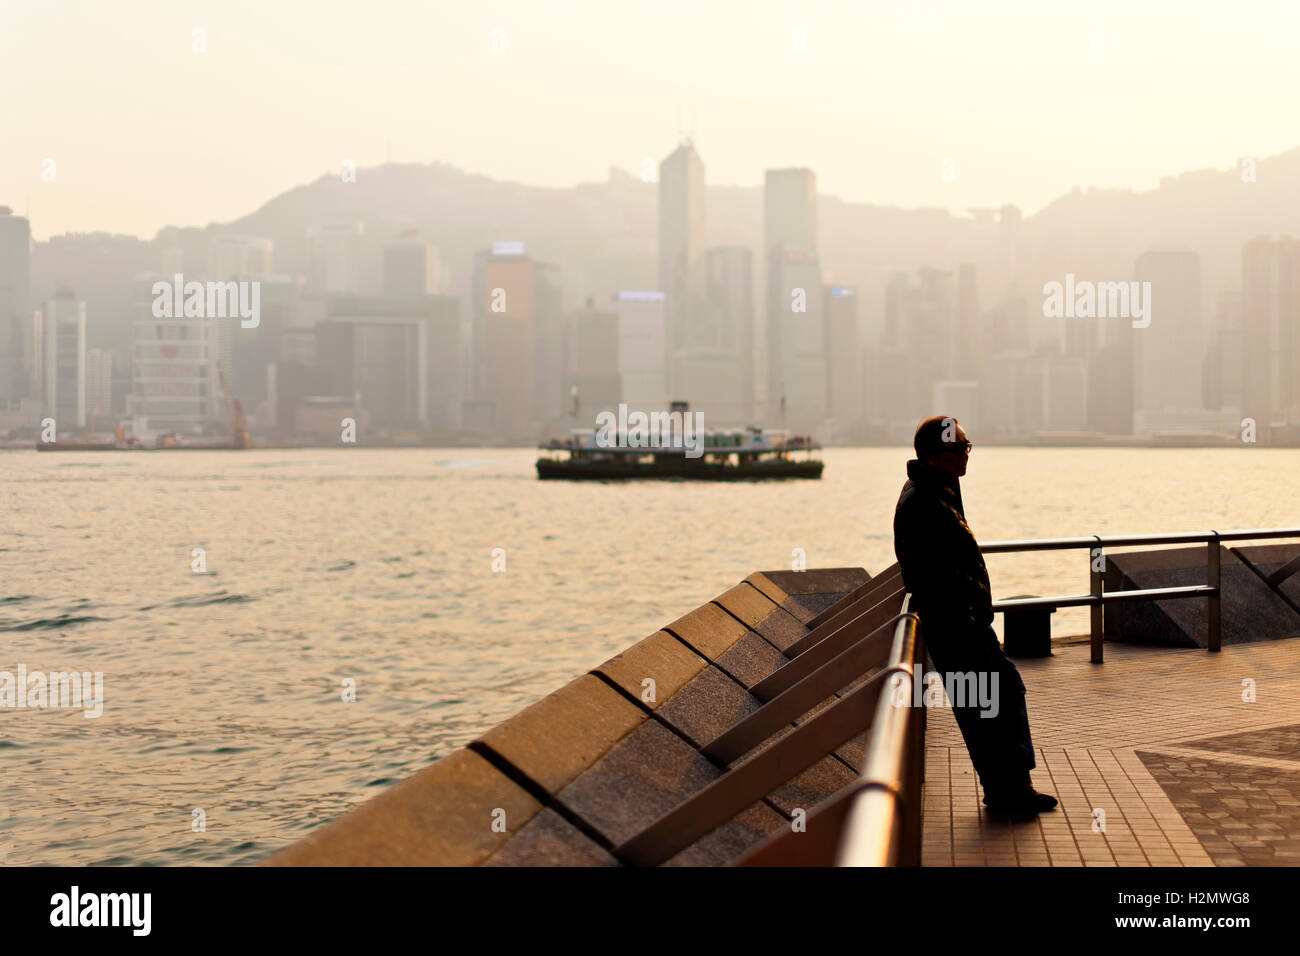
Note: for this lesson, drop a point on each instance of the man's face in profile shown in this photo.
(955, 454)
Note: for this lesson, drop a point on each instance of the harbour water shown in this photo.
(451, 586)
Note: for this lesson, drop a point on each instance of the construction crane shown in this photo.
(94, 417)
(235, 413)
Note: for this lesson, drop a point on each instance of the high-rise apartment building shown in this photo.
(15, 305)
(1169, 352)
(335, 255)
(400, 360)
(380, 361)
(969, 339)
(518, 351)
(681, 246)
(928, 336)
(790, 209)
(236, 256)
(177, 375)
(1225, 359)
(716, 372)
(410, 268)
(642, 329)
(63, 354)
(1270, 304)
(99, 386)
(844, 362)
(795, 339)
(594, 383)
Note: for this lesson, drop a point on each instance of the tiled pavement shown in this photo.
(1158, 756)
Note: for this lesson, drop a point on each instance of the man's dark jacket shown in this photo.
(941, 563)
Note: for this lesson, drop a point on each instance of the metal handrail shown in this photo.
(883, 825)
(1120, 540)
(1097, 545)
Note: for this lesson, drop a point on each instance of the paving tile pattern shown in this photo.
(1243, 815)
(1280, 743)
(1155, 756)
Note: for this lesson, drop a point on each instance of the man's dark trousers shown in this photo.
(1000, 747)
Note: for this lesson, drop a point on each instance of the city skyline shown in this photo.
(446, 300)
(528, 434)
(849, 90)
(406, 356)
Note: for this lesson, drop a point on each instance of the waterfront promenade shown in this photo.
(739, 732)
(1160, 741)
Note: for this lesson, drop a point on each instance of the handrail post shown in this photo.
(1213, 636)
(1097, 584)
(883, 826)
(914, 795)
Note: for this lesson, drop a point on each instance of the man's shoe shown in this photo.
(1020, 803)
(1044, 801)
(1020, 815)
(1011, 808)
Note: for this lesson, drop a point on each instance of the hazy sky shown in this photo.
(1027, 98)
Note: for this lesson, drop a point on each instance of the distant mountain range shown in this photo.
(602, 235)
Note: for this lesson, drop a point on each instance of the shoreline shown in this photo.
(1026, 443)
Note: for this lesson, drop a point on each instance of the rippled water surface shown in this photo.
(223, 691)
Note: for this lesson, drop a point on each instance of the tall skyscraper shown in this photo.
(99, 386)
(233, 256)
(796, 331)
(15, 305)
(1053, 389)
(594, 381)
(246, 353)
(1270, 306)
(1010, 226)
(896, 290)
(1168, 354)
(928, 337)
(377, 354)
(796, 340)
(968, 359)
(844, 364)
(502, 333)
(716, 373)
(1225, 359)
(790, 209)
(34, 356)
(1008, 324)
(410, 267)
(642, 328)
(550, 348)
(400, 360)
(681, 244)
(177, 374)
(335, 257)
(886, 380)
(1110, 385)
(64, 356)
(518, 352)
(446, 368)
(1004, 409)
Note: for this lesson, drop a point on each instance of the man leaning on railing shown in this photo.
(945, 574)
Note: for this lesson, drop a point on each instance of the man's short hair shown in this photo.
(928, 440)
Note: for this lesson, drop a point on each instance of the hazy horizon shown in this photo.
(145, 132)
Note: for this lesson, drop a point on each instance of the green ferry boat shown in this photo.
(741, 454)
